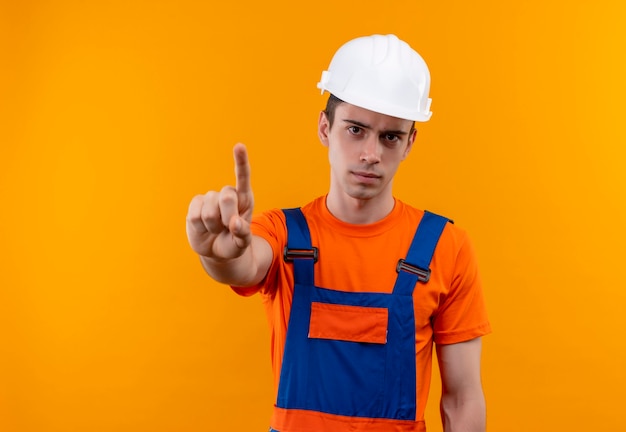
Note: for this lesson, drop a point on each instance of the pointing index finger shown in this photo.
(242, 169)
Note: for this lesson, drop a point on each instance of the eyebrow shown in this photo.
(366, 126)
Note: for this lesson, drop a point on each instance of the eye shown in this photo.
(354, 130)
(391, 138)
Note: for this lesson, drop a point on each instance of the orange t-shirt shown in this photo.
(448, 309)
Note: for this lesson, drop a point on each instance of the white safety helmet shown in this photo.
(380, 73)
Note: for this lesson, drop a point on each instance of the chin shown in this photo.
(363, 194)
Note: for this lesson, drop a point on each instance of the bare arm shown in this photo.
(218, 230)
(462, 399)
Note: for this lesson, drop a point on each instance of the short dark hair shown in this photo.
(331, 105)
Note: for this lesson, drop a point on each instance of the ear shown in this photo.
(409, 145)
(323, 128)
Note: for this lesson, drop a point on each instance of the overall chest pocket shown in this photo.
(348, 323)
(348, 359)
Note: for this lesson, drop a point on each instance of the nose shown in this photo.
(370, 152)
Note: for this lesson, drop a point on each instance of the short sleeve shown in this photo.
(462, 315)
(270, 226)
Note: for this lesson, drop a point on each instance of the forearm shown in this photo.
(463, 413)
(246, 270)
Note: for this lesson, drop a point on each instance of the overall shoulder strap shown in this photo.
(299, 249)
(416, 266)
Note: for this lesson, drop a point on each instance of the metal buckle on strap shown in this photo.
(293, 254)
(423, 275)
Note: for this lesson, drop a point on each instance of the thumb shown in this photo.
(240, 229)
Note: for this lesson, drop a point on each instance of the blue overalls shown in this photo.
(341, 375)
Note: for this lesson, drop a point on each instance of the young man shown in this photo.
(356, 284)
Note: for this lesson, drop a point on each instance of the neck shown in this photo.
(359, 211)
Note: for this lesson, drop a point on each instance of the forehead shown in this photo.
(346, 112)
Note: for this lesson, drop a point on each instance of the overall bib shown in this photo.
(351, 354)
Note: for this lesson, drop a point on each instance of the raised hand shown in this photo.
(218, 223)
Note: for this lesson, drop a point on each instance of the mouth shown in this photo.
(366, 176)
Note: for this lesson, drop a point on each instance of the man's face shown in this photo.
(365, 149)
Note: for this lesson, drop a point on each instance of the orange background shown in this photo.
(113, 114)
